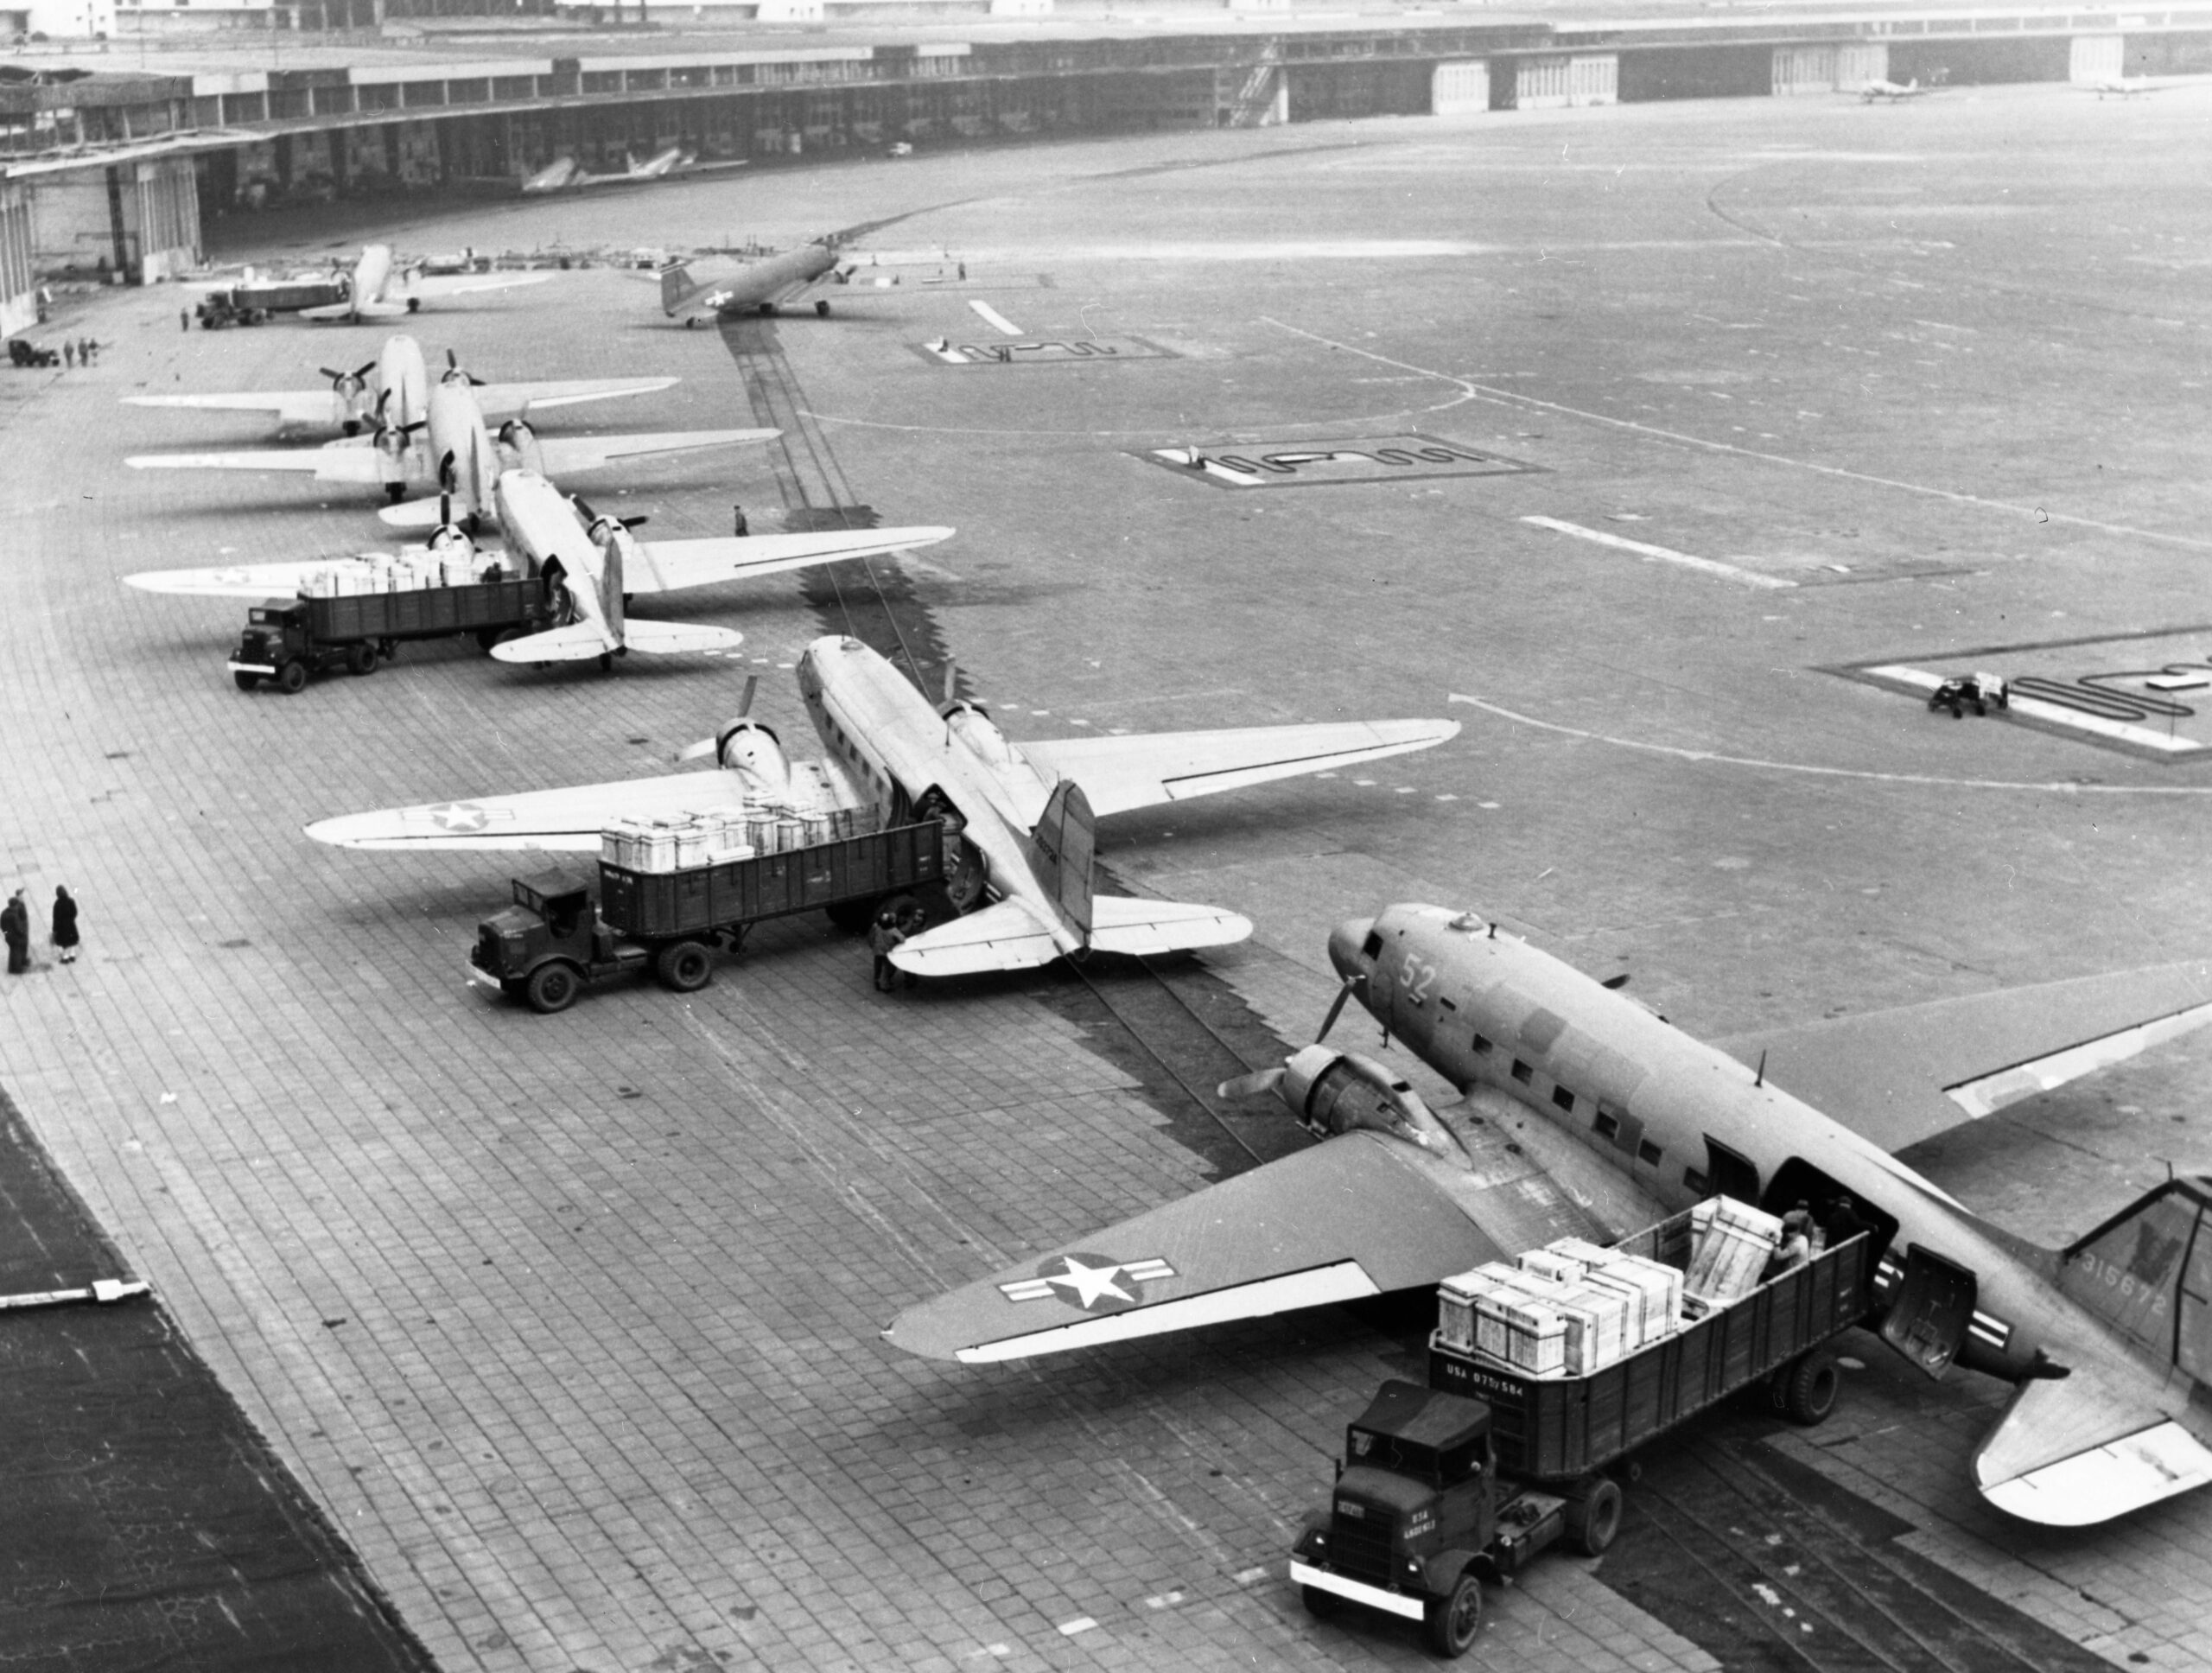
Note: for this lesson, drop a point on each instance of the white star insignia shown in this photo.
(1088, 1281)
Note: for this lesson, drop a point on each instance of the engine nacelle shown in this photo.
(754, 752)
(1331, 1091)
(516, 436)
(449, 538)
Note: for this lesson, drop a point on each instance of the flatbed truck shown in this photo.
(252, 302)
(286, 640)
(1465, 1480)
(553, 940)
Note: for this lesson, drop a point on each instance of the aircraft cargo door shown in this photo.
(1928, 1321)
(1064, 841)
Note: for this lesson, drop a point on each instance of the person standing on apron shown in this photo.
(65, 925)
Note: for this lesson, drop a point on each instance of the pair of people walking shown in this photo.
(16, 921)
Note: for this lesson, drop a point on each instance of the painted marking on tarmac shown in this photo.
(1406, 456)
(2097, 728)
(1471, 390)
(2063, 787)
(1660, 554)
(991, 317)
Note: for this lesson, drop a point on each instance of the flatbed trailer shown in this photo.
(252, 302)
(1465, 1480)
(554, 938)
(285, 641)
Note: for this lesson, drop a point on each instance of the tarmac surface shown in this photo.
(605, 1390)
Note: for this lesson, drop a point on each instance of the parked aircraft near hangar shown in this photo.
(597, 563)
(450, 455)
(567, 174)
(1890, 92)
(1585, 1114)
(1022, 812)
(379, 289)
(393, 392)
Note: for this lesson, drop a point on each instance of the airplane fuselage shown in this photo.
(761, 283)
(885, 735)
(1500, 1019)
(401, 392)
(541, 524)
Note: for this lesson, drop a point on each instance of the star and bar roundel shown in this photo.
(1090, 1282)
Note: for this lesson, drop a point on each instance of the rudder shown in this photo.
(2147, 1272)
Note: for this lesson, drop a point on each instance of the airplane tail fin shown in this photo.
(677, 288)
(2129, 1272)
(1061, 850)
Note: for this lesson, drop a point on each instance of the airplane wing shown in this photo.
(498, 401)
(1118, 773)
(1120, 923)
(563, 821)
(463, 284)
(664, 566)
(560, 455)
(254, 581)
(2086, 1448)
(292, 406)
(1006, 936)
(1900, 1076)
(365, 466)
(1353, 1217)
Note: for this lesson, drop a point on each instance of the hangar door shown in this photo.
(1458, 89)
(1803, 70)
(1552, 83)
(2094, 58)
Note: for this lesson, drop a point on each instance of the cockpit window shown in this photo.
(1372, 947)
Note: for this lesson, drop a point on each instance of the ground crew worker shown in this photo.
(68, 352)
(884, 937)
(65, 925)
(1796, 1249)
(912, 923)
(737, 517)
(15, 923)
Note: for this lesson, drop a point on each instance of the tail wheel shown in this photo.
(1450, 1623)
(685, 966)
(1805, 1389)
(1593, 1519)
(551, 988)
(292, 678)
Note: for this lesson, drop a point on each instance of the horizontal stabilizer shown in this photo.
(666, 566)
(413, 514)
(1004, 936)
(1119, 773)
(578, 642)
(1120, 924)
(2086, 1448)
(559, 456)
(1355, 1216)
(668, 639)
(1899, 1076)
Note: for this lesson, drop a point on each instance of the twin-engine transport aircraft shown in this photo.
(597, 565)
(1585, 1114)
(378, 289)
(761, 288)
(451, 454)
(393, 392)
(1890, 92)
(1019, 814)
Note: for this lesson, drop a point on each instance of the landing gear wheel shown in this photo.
(394, 492)
(1318, 1604)
(488, 637)
(1450, 1624)
(686, 966)
(245, 682)
(822, 310)
(1594, 1520)
(551, 988)
(361, 658)
(292, 678)
(1805, 1390)
(607, 662)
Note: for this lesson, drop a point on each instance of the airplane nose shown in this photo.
(1344, 943)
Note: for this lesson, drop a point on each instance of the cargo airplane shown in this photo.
(596, 565)
(762, 287)
(567, 174)
(1020, 814)
(1890, 92)
(1583, 1112)
(451, 454)
(393, 391)
(377, 289)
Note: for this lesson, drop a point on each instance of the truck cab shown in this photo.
(543, 946)
(275, 642)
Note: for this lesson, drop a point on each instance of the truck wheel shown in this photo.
(292, 678)
(686, 966)
(1450, 1623)
(1805, 1390)
(851, 916)
(488, 637)
(551, 988)
(361, 658)
(245, 682)
(1594, 1520)
(1318, 1604)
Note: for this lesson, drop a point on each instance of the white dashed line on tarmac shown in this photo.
(1660, 554)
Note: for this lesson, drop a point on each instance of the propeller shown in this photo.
(597, 521)
(1336, 1006)
(1261, 1082)
(692, 752)
(453, 371)
(355, 377)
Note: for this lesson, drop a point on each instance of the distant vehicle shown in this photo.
(24, 354)
(1890, 92)
(902, 147)
(567, 174)
(255, 300)
(1977, 690)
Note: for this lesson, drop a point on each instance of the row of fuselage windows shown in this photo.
(845, 746)
(1604, 1122)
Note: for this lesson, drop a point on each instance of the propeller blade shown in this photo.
(336, 376)
(366, 368)
(951, 678)
(637, 521)
(1616, 983)
(692, 752)
(583, 507)
(445, 506)
(745, 704)
(1258, 1083)
(1337, 1007)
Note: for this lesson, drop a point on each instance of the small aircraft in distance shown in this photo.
(1017, 816)
(761, 287)
(377, 289)
(1890, 92)
(392, 391)
(451, 454)
(2127, 87)
(1585, 1113)
(566, 174)
(596, 564)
